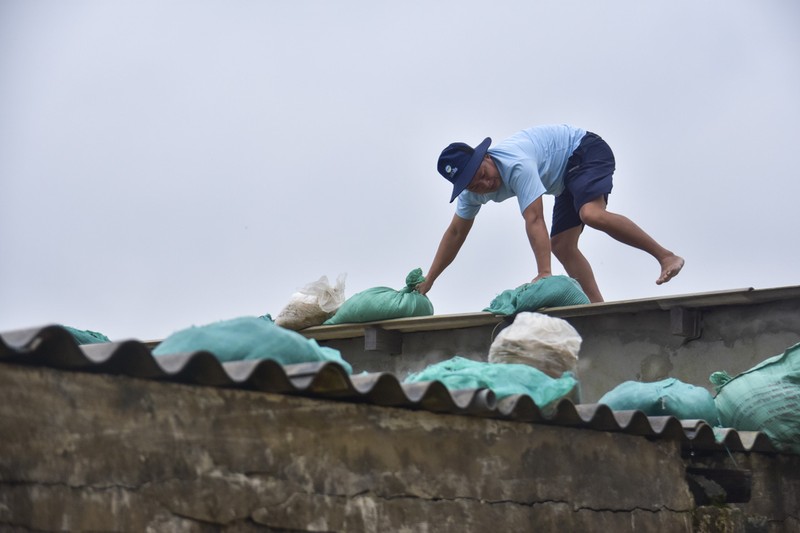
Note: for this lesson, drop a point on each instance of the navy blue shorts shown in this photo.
(589, 172)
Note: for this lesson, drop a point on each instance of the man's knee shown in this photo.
(593, 215)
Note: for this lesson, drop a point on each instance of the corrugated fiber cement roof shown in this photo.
(54, 347)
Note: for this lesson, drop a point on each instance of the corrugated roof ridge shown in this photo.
(53, 346)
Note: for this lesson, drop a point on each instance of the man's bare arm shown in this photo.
(452, 240)
(536, 228)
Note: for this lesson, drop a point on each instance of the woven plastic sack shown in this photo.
(247, 338)
(384, 303)
(503, 379)
(552, 291)
(668, 397)
(548, 343)
(765, 398)
(84, 336)
(312, 305)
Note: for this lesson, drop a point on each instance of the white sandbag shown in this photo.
(313, 304)
(547, 343)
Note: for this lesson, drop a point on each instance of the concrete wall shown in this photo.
(92, 452)
(618, 345)
(419, 349)
(88, 452)
(774, 503)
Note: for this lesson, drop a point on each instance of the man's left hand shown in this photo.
(541, 276)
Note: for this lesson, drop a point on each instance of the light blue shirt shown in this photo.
(531, 163)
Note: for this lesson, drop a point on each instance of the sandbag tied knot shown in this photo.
(413, 279)
(719, 379)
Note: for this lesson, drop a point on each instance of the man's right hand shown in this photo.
(424, 287)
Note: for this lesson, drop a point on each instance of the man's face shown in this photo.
(487, 178)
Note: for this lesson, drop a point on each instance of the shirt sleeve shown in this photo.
(465, 208)
(526, 183)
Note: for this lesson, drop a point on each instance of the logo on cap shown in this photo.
(451, 171)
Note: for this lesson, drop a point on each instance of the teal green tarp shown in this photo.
(552, 291)
(384, 303)
(765, 398)
(247, 338)
(668, 397)
(84, 336)
(503, 379)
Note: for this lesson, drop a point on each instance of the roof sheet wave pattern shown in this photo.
(53, 346)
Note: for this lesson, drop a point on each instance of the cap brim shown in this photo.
(472, 167)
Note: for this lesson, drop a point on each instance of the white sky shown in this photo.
(164, 164)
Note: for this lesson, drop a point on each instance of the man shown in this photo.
(570, 163)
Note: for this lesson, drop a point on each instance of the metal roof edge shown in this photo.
(743, 296)
(415, 324)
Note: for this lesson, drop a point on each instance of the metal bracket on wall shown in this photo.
(380, 340)
(685, 322)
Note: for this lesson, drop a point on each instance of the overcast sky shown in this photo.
(167, 164)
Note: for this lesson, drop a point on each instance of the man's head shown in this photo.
(487, 177)
(459, 163)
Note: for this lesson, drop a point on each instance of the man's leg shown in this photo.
(594, 214)
(565, 248)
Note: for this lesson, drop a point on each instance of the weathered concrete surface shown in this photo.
(774, 504)
(618, 346)
(640, 347)
(94, 452)
(420, 349)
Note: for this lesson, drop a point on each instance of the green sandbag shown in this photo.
(552, 291)
(668, 397)
(248, 338)
(765, 398)
(384, 303)
(503, 379)
(84, 336)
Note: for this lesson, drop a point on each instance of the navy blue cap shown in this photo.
(459, 162)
